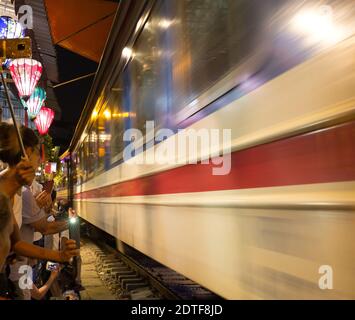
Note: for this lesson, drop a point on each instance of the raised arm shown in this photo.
(25, 249)
(47, 228)
(39, 293)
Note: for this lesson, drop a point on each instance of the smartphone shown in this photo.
(15, 48)
(51, 266)
(48, 186)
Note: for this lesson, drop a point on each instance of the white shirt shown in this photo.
(36, 188)
(31, 213)
(18, 208)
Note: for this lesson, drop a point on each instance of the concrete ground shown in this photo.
(95, 289)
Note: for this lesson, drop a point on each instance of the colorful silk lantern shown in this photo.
(44, 120)
(35, 102)
(26, 74)
(10, 28)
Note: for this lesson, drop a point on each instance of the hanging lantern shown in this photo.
(35, 102)
(10, 28)
(44, 120)
(26, 74)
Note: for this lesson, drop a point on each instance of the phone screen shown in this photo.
(51, 266)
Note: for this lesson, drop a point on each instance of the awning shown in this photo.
(81, 26)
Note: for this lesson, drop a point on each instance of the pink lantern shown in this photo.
(26, 74)
(44, 120)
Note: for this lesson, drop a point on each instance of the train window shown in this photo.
(103, 121)
(211, 38)
(118, 118)
(147, 77)
(78, 166)
(93, 151)
(75, 167)
(86, 152)
(87, 157)
(81, 164)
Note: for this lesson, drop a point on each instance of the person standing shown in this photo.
(6, 229)
(34, 219)
(20, 173)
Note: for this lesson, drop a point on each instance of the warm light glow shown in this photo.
(127, 53)
(107, 114)
(121, 115)
(317, 25)
(141, 22)
(26, 74)
(44, 120)
(101, 152)
(165, 23)
(104, 137)
(94, 115)
(35, 102)
(93, 137)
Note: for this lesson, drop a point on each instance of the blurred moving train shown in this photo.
(281, 75)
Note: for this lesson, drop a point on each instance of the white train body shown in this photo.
(281, 224)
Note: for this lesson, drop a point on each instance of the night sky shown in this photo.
(71, 97)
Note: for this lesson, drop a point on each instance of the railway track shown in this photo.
(133, 276)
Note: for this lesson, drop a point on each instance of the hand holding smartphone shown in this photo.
(52, 266)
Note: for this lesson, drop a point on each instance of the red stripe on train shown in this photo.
(322, 156)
